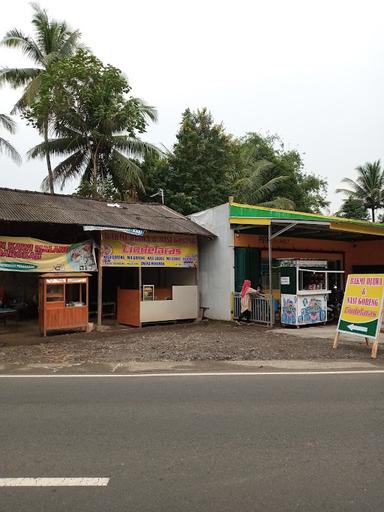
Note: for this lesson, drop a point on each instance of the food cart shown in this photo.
(304, 291)
(63, 302)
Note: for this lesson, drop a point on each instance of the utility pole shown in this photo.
(160, 193)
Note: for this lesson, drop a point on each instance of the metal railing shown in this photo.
(260, 312)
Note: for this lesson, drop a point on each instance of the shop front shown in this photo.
(45, 281)
(152, 275)
(67, 263)
(254, 242)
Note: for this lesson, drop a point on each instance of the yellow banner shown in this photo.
(362, 305)
(22, 254)
(150, 250)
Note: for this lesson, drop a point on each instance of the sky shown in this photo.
(311, 72)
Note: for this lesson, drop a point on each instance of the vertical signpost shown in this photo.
(362, 309)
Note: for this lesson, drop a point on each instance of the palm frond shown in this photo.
(349, 181)
(7, 149)
(18, 77)
(125, 173)
(133, 147)
(260, 178)
(69, 168)
(71, 43)
(29, 94)
(14, 38)
(7, 123)
(57, 147)
(40, 16)
(345, 191)
(150, 113)
(270, 186)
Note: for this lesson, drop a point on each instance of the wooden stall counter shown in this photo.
(168, 304)
(128, 307)
(182, 306)
(63, 302)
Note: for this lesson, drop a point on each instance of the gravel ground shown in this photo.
(204, 341)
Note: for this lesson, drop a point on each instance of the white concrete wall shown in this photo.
(183, 306)
(216, 277)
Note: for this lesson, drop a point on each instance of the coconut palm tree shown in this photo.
(97, 153)
(6, 147)
(258, 180)
(368, 187)
(53, 40)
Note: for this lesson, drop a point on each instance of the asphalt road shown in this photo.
(254, 443)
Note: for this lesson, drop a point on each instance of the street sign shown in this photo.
(362, 305)
(362, 309)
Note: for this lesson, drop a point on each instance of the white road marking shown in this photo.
(191, 374)
(54, 482)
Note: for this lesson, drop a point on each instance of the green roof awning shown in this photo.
(245, 214)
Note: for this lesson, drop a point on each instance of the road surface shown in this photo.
(204, 443)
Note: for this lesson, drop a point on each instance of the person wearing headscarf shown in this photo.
(246, 300)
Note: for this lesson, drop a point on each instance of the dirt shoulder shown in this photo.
(204, 341)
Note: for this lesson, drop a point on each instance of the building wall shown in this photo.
(286, 247)
(216, 266)
(216, 273)
(351, 253)
(366, 253)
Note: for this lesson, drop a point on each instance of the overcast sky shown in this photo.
(312, 72)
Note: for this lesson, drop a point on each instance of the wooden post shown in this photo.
(140, 291)
(100, 287)
(336, 340)
(271, 308)
(375, 346)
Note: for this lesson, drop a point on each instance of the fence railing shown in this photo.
(260, 312)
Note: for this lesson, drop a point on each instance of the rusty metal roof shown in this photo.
(29, 206)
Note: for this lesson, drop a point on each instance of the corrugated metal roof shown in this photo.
(28, 206)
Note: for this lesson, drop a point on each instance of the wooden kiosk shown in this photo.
(63, 302)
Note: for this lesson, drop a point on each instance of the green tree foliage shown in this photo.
(271, 175)
(53, 40)
(207, 165)
(368, 187)
(96, 124)
(353, 208)
(194, 175)
(256, 179)
(5, 146)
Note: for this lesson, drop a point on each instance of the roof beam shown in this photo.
(283, 230)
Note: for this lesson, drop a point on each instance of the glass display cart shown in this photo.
(304, 291)
(63, 302)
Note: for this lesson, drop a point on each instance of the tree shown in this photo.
(292, 187)
(257, 180)
(207, 165)
(368, 187)
(353, 208)
(53, 41)
(5, 146)
(96, 125)
(194, 175)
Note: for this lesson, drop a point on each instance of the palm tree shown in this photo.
(258, 181)
(53, 41)
(98, 153)
(6, 147)
(368, 187)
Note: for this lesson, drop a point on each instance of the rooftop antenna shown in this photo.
(160, 192)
